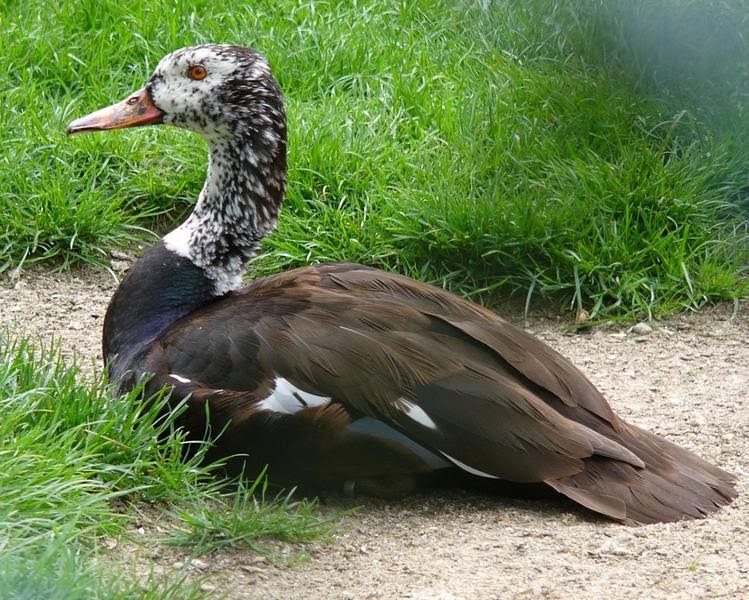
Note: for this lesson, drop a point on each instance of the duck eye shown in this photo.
(197, 72)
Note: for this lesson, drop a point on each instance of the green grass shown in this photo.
(77, 466)
(571, 150)
(591, 152)
(245, 518)
(62, 572)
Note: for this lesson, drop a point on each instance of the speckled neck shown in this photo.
(239, 203)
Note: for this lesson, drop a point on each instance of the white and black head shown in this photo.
(226, 94)
(219, 91)
(215, 90)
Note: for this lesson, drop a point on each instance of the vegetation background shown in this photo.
(592, 153)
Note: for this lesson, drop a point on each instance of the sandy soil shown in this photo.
(687, 380)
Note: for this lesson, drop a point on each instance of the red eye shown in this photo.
(197, 72)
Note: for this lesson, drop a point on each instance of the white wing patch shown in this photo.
(416, 413)
(179, 378)
(288, 399)
(466, 468)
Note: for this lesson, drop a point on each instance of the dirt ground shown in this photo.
(687, 380)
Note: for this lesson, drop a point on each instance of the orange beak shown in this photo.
(136, 110)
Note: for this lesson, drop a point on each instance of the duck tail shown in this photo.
(674, 484)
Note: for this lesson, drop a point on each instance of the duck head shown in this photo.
(228, 95)
(214, 90)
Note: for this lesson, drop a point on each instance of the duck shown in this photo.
(341, 376)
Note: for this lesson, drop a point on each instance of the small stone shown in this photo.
(642, 329)
(199, 564)
(120, 265)
(251, 569)
(121, 255)
(612, 548)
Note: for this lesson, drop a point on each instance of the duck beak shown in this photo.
(136, 110)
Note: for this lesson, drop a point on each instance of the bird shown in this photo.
(341, 376)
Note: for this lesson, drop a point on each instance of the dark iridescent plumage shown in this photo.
(344, 376)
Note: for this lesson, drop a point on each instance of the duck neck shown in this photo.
(205, 257)
(237, 207)
(158, 290)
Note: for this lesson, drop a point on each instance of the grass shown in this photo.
(244, 519)
(77, 467)
(569, 150)
(592, 152)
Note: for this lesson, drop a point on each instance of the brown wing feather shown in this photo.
(369, 348)
(449, 374)
(674, 484)
(532, 359)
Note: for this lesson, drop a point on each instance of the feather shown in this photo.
(344, 376)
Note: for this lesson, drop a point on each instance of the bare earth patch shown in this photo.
(687, 380)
